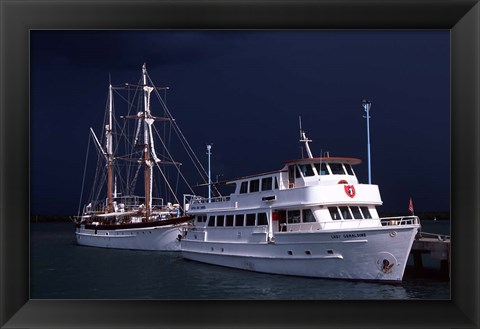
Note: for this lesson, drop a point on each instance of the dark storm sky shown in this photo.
(244, 91)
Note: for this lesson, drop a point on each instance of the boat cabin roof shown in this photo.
(351, 161)
(233, 181)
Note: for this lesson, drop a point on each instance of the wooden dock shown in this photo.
(437, 246)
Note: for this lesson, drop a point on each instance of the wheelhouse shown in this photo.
(299, 173)
(321, 171)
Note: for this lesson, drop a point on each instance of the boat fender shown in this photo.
(179, 237)
(343, 181)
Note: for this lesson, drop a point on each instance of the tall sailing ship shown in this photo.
(132, 215)
(311, 218)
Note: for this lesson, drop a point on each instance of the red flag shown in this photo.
(410, 206)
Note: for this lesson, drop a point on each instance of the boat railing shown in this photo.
(400, 220)
(128, 202)
(300, 227)
(95, 207)
(132, 201)
(201, 200)
(315, 226)
(326, 225)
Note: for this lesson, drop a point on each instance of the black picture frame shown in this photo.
(19, 17)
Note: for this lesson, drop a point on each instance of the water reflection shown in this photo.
(61, 269)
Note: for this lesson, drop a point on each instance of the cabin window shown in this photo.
(293, 216)
(250, 220)
(349, 169)
(211, 221)
(266, 184)
(337, 168)
(365, 212)
(334, 213)
(297, 172)
(308, 216)
(307, 170)
(356, 212)
(239, 220)
(262, 219)
(201, 219)
(254, 185)
(321, 168)
(276, 183)
(291, 172)
(345, 213)
(220, 220)
(229, 220)
(244, 187)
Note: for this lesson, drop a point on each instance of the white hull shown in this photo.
(346, 254)
(163, 238)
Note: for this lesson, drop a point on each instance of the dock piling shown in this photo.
(437, 246)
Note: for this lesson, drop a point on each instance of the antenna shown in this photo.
(209, 153)
(300, 125)
(366, 106)
(304, 139)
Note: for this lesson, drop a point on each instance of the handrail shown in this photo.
(438, 236)
(200, 200)
(129, 202)
(327, 225)
(399, 220)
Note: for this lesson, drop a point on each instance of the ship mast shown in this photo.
(109, 137)
(146, 151)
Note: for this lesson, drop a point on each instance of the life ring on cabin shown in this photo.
(343, 181)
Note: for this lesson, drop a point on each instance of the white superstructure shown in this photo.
(311, 218)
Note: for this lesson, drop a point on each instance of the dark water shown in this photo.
(62, 270)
